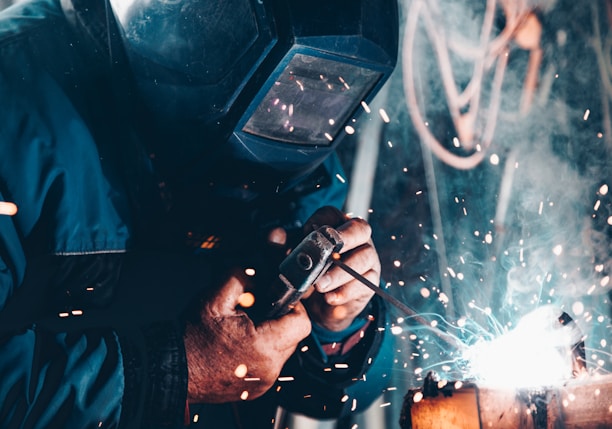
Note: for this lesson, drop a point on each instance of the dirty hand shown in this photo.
(338, 297)
(230, 358)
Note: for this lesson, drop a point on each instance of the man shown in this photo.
(159, 154)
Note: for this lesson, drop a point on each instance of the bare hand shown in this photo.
(338, 297)
(228, 357)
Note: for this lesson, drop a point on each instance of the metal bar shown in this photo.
(449, 339)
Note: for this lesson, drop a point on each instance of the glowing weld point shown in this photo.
(7, 209)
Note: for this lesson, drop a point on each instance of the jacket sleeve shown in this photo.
(81, 377)
(332, 386)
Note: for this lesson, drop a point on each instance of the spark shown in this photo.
(244, 395)
(289, 378)
(246, 300)
(349, 130)
(603, 189)
(384, 116)
(494, 159)
(340, 178)
(240, 371)
(396, 330)
(365, 106)
(586, 114)
(7, 208)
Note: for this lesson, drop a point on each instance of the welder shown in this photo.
(164, 156)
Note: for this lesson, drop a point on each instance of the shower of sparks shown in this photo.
(537, 352)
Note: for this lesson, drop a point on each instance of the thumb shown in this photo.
(227, 298)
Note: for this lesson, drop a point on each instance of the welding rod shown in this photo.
(449, 339)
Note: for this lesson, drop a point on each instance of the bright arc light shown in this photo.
(536, 353)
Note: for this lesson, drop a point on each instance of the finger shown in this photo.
(354, 233)
(362, 260)
(289, 329)
(352, 292)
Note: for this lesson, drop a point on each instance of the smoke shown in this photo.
(518, 217)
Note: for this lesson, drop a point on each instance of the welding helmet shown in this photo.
(265, 88)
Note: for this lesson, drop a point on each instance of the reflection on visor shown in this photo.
(310, 101)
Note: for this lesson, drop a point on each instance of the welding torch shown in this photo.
(307, 262)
